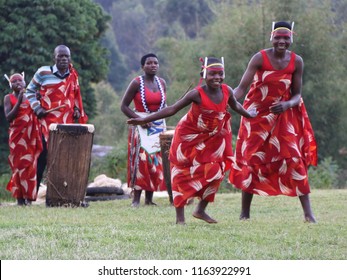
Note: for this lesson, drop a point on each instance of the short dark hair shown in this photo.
(283, 24)
(143, 59)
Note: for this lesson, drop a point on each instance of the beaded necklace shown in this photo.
(142, 92)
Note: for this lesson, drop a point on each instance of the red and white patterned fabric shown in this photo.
(201, 150)
(67, 93)
(25, 147)
(145, 170)
(273, 152)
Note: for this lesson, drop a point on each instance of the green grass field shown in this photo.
(113, 230)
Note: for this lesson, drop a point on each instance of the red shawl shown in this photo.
(67, 93)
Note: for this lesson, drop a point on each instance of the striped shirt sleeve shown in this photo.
(32, 88)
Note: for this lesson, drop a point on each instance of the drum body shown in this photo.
(68, 163)
(165, 144)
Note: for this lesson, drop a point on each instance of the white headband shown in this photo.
(205, 67)
(291, 31)
(9, 79)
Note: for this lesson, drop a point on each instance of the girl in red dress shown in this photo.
(145, 170)
(274, 150)
(201, 148)
(24, 142)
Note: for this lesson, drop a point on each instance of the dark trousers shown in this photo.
(41, 163)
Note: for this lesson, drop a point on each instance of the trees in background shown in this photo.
(179, 33)
(138, 25)
(30, 30)
(236, 30)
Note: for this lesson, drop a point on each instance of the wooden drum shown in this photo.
(68, 163)
(165, 143)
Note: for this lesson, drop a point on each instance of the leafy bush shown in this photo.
(5, 195)
(342, 179)
(113, 165)
(325, 175)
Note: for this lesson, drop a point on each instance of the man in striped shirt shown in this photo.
(55, 97)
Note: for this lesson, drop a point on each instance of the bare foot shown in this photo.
(244, 216)
(203, 216)
(28, 202)
(310, 219)
(135, 204)
(181, 223)
(21, 201)
(190, 201)
(150, 203)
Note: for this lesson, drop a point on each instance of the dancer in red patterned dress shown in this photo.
(24, 142)
(201, 148)
(274, 150)
(145, 169)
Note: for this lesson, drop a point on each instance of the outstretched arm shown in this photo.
(191, 96)
(237, 107)
(254, 64)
